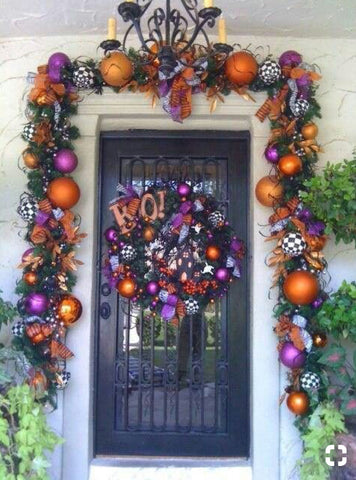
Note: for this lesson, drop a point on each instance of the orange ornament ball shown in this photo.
(63, 192)
(310, 131)
(30, 160)
(69, 310)
(30, 278)
(213, 253)
(241, 68)
(116, 69)
(269, 190)
(126, 287)
(301, 288)
(290, 164)
(149, 234)
(298, 403)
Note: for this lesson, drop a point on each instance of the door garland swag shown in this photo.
(47, 306)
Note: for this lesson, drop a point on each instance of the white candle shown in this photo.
(111, 28)
(222, 30)
(208, 3)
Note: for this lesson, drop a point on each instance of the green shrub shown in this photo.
(331, 196)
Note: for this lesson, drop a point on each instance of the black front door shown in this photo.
(163, 389)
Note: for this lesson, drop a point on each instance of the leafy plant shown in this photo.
(337, 315)
(325, 422)
(24, 433)
(340, 377)
(7, 312)
(332, 198)
(24, 436)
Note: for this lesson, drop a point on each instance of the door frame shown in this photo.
(126, 112)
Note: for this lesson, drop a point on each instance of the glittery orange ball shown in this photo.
(69, 310)
(149, 234)
(269, 190)
(290, 165)
(63, 192)
(241, 68)
(320, 340)
(126, 287)
(30, 160)
(213, 253)
(116, 69)
(298, 403)
(310, 131)
(30, 278)
(300, 287)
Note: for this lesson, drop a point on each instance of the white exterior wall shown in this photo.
(275, 444)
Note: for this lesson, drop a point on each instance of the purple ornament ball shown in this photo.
(26, 253)
(183, 189)
(111, 235)
(317, 302)
(65, 160)
(291, 356)
(152, 288)
(36, 303)
(222, 274)
(305, 214)
(271, 154)
(290, 58)
(55, 63)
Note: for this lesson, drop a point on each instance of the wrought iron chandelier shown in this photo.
(167, 40)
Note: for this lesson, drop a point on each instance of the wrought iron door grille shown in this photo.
(172, 377)
(164, 389)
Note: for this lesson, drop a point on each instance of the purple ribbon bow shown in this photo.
(170, 303)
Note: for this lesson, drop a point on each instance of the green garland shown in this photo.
(290, 105)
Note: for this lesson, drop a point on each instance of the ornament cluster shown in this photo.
(172, 250)
(46, 306)
(206, 254)
(297, 258)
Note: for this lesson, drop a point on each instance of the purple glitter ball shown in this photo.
(65, 160)
(222, 274)
(271, 154)
(183, 189)
(111, 235)
(27, 253)
(152, 288)
(55, 63)
(305, 214)
(291, 356)
(317, 302)
(290, 58)
(36, 303)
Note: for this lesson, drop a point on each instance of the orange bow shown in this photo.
(45, 92)
(297, 72)
(309, 146)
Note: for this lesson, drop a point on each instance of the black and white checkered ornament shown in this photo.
(293, 244)
(300, 107)
(191, 306)
(83, 77)
(29, 131)
(309, 381)
(216, 219)
(128, 253)
(18, 329)
(61, 380)
(269, 72)
(28, 208)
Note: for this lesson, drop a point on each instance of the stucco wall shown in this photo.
(337, 96)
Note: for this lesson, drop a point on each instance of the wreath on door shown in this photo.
(171, 249)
